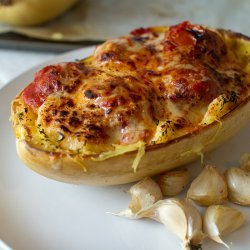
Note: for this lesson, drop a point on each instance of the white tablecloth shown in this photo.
(13, 63)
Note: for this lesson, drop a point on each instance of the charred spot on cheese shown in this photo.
(64, 128)
(150, 86)
(231, 97)
(74, 122)
(108, 56)
(137, 38)
(89, 94)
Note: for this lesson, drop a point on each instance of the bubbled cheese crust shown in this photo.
(153, 85)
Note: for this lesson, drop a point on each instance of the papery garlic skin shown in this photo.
(173, 182)
(238, 181)
(220, 220)
(181, 217)
(209, 188)
(245, 162)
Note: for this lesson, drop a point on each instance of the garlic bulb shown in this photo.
(173, 182)
(221, 220)
(181, 217)
(143, 195)
(238, 181)
(209, 188)
(245, 162)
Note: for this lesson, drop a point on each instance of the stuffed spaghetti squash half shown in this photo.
(141, 104)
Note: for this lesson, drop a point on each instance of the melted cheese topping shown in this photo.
(148, 87)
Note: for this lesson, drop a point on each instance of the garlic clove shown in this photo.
(209, 188)
(143, 195)
(220, 220)
(238, 181)
(173, 182)
(181, 217)
(245, 162)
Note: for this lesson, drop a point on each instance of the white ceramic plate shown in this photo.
(39, 213)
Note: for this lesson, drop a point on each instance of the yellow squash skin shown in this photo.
(32, 12)
(85, 169)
